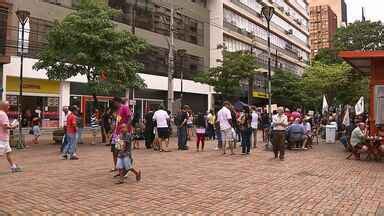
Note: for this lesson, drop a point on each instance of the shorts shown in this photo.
(4, 147)
(36, 131)
(226, 135)
(189, 125)
(163, 133)
(124, 163)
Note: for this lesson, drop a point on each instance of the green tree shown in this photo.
(235, 68)
(87, 43)
(286, 89)
(336, 81)
(327, 56)
(360, 35)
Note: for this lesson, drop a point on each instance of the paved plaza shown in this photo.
(320, 181)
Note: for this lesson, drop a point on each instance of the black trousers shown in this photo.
(278, 142)
(149, 137)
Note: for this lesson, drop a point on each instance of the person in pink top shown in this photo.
(5, 126)
(123, 117)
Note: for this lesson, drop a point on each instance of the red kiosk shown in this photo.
(371, 63)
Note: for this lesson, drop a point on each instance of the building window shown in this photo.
(156, 18)
(37, 36)
(3, 30)
(379, 104)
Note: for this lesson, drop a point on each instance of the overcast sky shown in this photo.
(374, 9)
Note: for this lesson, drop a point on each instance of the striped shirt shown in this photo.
(94, 121)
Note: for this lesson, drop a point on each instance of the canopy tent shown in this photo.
(239, 105)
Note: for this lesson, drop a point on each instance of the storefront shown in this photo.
(38, 94)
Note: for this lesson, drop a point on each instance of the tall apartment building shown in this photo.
(240, 25)
(323, 25)
(339, 7)
(152, 24)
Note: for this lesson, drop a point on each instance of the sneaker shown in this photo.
(16, 169)
(64, 157)
(74, 157)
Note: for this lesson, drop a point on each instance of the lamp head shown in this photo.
(268, 12)
(23, 16)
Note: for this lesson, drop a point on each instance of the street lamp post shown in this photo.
(22, 16)
(251, 79)
(181, 53)
(268, 12)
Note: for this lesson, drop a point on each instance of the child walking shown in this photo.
(200, 132)
(124, 159)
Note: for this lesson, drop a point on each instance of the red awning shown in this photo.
(361, 60)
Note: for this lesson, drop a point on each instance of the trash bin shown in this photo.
(330, 134)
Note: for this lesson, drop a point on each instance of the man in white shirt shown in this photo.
(161, 118)
(224, 117)
(280, 124)
(254, 125)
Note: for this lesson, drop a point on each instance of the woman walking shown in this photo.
(246, 131)
(200, 132)
(211, 120)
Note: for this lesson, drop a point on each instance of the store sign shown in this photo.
(32, 85)
(53, 102)
(12, 100)
(257, 94)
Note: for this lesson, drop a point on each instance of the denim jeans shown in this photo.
(246, 140)
(70, 147)
(182, 137)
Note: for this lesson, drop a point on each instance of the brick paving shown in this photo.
(319, 181)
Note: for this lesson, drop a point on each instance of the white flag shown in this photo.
(325, 105)
(359, 107)
(346, 121)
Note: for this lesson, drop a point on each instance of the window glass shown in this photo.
(379, 104)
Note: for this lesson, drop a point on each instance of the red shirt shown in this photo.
(71, 124)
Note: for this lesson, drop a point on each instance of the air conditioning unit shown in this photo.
(298, 21)
(242, 31)
(250, 34)
(287, 13)
(281, 8)
(289, 32)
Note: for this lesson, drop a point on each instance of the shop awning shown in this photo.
(361, 60)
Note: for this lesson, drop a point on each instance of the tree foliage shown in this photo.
(87, 43)
(360, 35)
(336, 81)
(227, 78)
(327, 56)
(286, 89)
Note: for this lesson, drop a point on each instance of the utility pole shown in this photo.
(171, 61)
(133, 17)
(171, 57)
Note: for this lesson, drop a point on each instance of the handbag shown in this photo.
(119, 144)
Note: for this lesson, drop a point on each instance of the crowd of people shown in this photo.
(122, 130)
